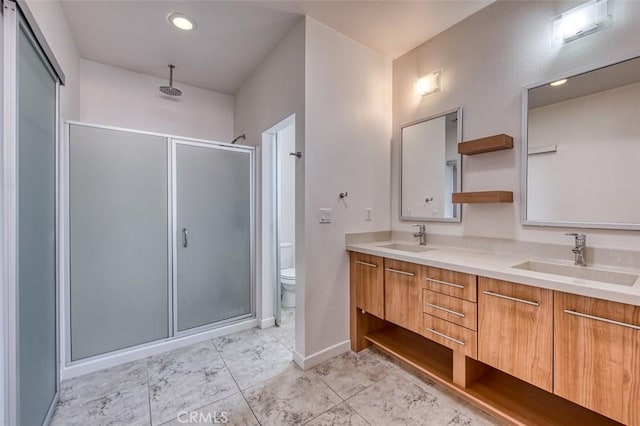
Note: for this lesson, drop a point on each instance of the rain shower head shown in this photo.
(170, 90)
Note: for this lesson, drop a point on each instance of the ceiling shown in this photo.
(588, 83)
(233, 37)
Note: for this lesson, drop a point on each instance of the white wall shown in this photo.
(274, 92)
(118, 97)
(347, 148)
(487, 59)
(594, 155)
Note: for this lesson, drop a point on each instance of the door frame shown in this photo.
(271, 224)
(174, 238)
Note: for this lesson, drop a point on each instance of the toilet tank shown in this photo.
(286, 255)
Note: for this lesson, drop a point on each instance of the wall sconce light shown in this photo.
(580, 21)
(429, 84)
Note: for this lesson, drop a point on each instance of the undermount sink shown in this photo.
(580, 272)
(406, 247)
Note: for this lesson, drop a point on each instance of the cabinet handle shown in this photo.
(370, 265)
(608, 321)
(513, 299)
(444, 283)
(461, 315)
(400, 272)
(460, 342)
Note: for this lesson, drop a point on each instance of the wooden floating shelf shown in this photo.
(497, 393)
(488, 144)
(482, 197)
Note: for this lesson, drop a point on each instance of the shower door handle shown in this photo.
(185, 238)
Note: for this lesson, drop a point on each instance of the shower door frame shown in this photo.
(173, 143)
(175, 339)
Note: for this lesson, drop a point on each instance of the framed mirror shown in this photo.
(431, 168)
(581, 149)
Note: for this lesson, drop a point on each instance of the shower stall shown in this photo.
(161, 239)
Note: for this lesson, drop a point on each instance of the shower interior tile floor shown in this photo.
(249, 378)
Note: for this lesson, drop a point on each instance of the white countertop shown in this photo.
(499, 266)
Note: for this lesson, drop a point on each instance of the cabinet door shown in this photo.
(402, 295)
(367, 282)
(515, 330)
(597, 355)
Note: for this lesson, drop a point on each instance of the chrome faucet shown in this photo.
(579, 249)
(422, 233)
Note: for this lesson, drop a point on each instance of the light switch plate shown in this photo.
(368, 214)
(325, 215)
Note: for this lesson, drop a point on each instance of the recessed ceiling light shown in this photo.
(558, 83)
(181, 21)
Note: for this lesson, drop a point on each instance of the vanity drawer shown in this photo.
(456, 284)
(452, 309)
(450, 335)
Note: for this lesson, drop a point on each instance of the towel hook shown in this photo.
(343, 195)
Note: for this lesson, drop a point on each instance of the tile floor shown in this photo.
(249, 378)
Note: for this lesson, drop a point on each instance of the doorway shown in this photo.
(279, 242)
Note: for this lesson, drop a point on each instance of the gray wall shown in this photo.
(487, 59)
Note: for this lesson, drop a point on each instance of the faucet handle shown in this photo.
(421, 226)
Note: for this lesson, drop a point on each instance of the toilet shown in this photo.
(287, 275)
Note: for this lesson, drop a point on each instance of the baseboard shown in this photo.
(268, 322)
(321, 356)
(121, 357)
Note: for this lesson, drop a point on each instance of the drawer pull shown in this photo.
(370, 265)
(444, 283)
(460, 342)
(608, 321)
(400, 272)
(461, 315)
(513, 299)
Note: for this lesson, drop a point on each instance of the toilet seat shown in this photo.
(288, 274)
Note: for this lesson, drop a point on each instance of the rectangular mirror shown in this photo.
(431, 168)
(581, 149)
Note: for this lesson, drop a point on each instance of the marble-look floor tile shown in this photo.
(285, 335)
(341, 415)
(232, 410)
(478, 416)
(243, 342)
(259, 363)
(128, 407)
(395, 400)
(104, 382)
(287, 316)
(187, 379)
(292, 398)
(349, 373)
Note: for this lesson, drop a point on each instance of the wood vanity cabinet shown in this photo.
(402, 294)
(367, 282)
(515, 330)
(597, 355)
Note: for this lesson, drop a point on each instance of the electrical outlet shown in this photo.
(368, 214)
(325, 215)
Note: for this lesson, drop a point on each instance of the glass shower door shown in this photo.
(119, 249)
(213, 226)
(36, 255)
